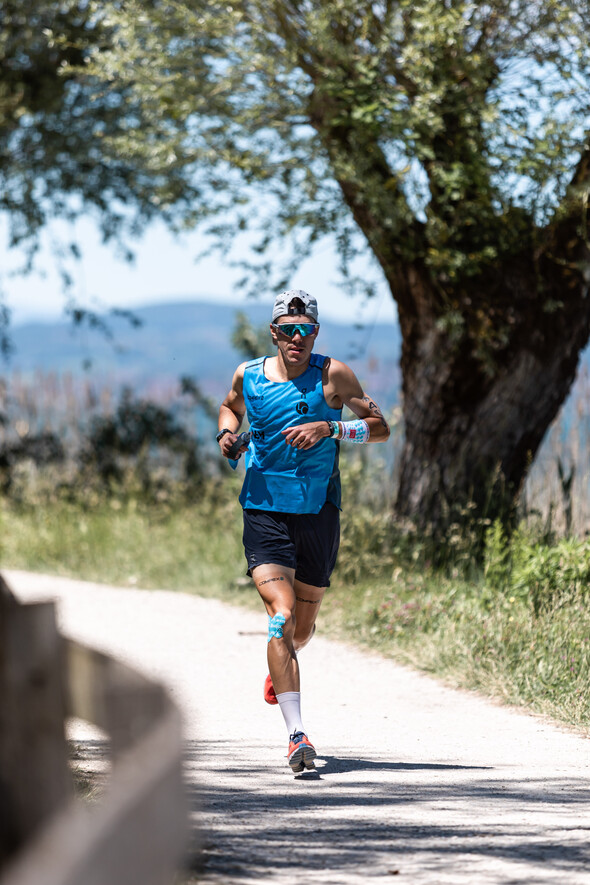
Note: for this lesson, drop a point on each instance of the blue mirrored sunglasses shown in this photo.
(289, 329)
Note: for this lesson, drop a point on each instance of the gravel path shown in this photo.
(413, 779)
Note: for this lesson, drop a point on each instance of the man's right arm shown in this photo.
(232, 411)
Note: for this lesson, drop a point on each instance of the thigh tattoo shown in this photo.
(269, 580)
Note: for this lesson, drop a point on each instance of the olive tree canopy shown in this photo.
(55, 127)
(448, 139)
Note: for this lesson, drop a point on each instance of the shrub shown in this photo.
(550, 575)
(40, 449)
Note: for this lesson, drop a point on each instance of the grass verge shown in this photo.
(193, 547)
(491, 633)
(449, 629)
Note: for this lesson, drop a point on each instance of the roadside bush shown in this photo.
(139, 448)
(541, 575)
(26, 460)
(41, 449)
(550, 576)
(142, 435)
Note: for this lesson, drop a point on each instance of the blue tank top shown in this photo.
(278, 476)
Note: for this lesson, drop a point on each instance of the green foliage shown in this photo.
(497, 562)
(496, 645)
(369, 524)
(138, 429)
(139, 448)
(482, 633)
(193, 546)
(56, 128)
(41, 448)
(542, 576)
(518, 627)
(551, 577)
(520, 630)
(437, 119)
(449, 139)
(248, 340)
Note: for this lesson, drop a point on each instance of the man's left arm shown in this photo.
(343, 387)
(350, 391)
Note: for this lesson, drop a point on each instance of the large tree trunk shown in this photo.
(478, 399)
(490, 348)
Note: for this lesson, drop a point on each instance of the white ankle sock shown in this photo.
(290, 704)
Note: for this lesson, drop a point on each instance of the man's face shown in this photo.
(296, 350)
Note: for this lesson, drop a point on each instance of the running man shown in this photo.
(291, 491)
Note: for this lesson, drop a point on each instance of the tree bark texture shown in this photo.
(477, 403)
(494, 311)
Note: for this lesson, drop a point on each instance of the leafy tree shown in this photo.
(55, 132)
(450, 138)
(249, 340)
(143, 432)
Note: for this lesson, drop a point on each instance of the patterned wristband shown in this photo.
(355, 431)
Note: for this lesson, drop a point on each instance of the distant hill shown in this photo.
(190, 338)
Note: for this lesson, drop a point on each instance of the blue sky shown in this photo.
(165, 270)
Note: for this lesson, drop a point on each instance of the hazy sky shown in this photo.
(165, 270)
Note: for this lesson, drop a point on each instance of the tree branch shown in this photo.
(569, 231)
(372, 192)
(581, 176)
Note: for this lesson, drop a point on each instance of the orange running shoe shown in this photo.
(269, 692)
(301, 752)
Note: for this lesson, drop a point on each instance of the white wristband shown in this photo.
(355, 431)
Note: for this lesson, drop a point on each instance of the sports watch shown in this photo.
(222, 433)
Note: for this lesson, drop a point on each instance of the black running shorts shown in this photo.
(307, 542)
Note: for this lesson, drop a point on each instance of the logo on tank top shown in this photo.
(302, 408)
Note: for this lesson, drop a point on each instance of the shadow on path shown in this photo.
(259, 820)
(339, 765)
(250, 822)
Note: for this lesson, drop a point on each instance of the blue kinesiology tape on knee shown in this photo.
(275, 626)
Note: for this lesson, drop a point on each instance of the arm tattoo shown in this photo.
(374, 410)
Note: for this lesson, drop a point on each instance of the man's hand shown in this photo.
(304, 436)
(227, 441)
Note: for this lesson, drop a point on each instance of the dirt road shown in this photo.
(413, 779)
